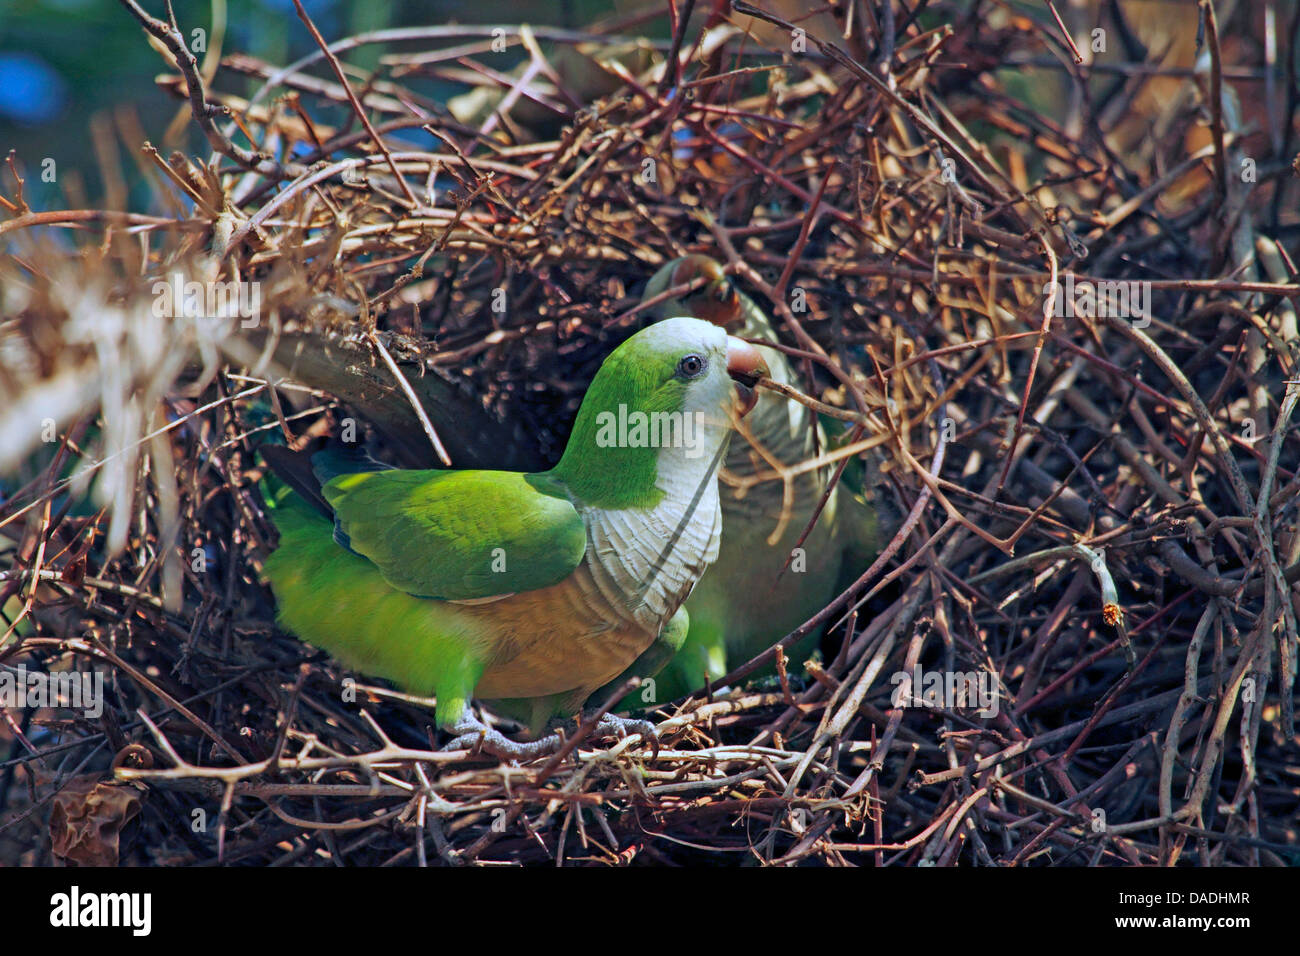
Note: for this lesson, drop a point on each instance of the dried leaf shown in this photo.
(87, 820)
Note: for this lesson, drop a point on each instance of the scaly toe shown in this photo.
(475, 736)
(614, 726)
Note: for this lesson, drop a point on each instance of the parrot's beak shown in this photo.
(745, 365)
(718, 301)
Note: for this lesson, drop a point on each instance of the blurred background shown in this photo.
(72, 66)
(77, 77)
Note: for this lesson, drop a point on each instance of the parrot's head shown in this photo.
(663, 403)
(684, 364)
(710, 295)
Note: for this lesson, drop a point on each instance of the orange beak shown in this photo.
(717, 302)
(745, 365)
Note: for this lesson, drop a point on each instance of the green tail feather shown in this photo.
(342, 603)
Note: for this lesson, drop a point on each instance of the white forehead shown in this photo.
(684, 331)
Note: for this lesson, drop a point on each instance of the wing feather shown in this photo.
(460, 535)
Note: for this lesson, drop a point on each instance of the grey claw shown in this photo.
(475, 736)
(614, 726)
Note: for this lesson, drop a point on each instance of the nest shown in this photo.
(1073, 343)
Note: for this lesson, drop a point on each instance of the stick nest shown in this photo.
(1100, 502)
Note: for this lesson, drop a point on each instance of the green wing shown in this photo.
(460, 535)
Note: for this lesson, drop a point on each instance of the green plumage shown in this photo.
(460, 535)
(745, 602)
(537, 588)
(341, 601)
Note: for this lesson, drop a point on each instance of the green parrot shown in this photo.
(744, 604)
(539, 588)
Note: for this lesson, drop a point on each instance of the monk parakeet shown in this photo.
(536, 588)
(744, 604)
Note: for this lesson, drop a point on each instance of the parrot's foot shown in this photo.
(472, 734)
(612, 725)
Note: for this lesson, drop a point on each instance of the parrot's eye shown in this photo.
(691, 366)
(724, 292)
